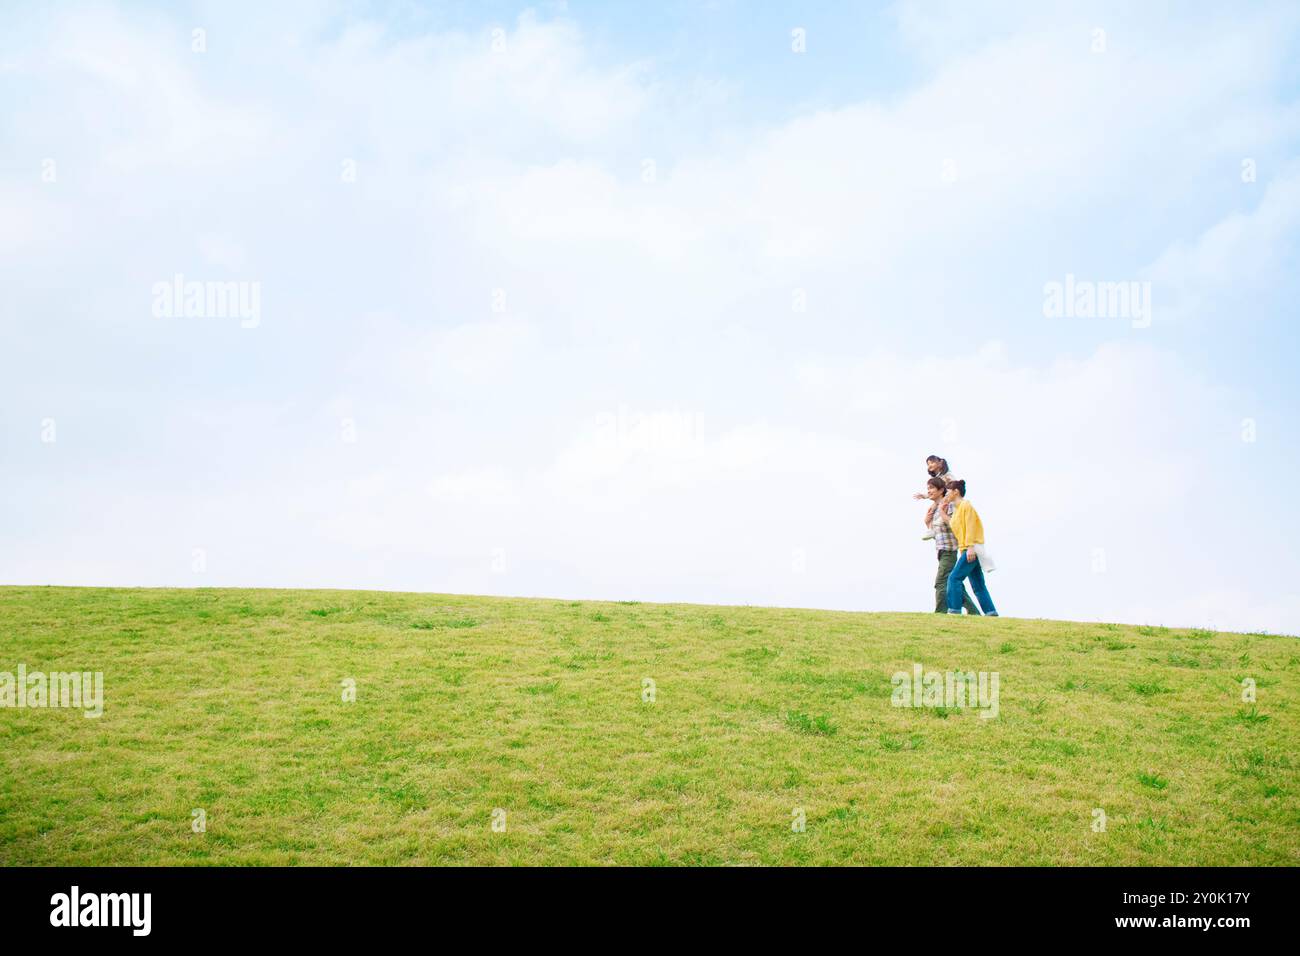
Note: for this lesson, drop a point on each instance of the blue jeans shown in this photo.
(962, 570)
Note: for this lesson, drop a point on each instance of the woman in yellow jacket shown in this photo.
(969, 531)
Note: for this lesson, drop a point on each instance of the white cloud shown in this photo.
(1238, 254)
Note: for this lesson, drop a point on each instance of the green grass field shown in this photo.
(231, 701)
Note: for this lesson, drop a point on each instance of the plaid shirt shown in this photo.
(944, 539)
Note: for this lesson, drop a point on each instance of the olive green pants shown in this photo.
(946, 560)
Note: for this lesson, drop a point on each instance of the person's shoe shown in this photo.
(928, 536)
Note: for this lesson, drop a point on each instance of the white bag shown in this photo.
(986, 560)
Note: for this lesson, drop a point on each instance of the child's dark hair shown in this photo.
(943, 462)
(959, 485)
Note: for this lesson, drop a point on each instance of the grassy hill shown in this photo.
(231, 701)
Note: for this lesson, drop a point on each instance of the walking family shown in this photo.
(958, 535)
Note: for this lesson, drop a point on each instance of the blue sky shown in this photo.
(580, 301)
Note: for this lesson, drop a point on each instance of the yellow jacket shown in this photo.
(966, 525)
